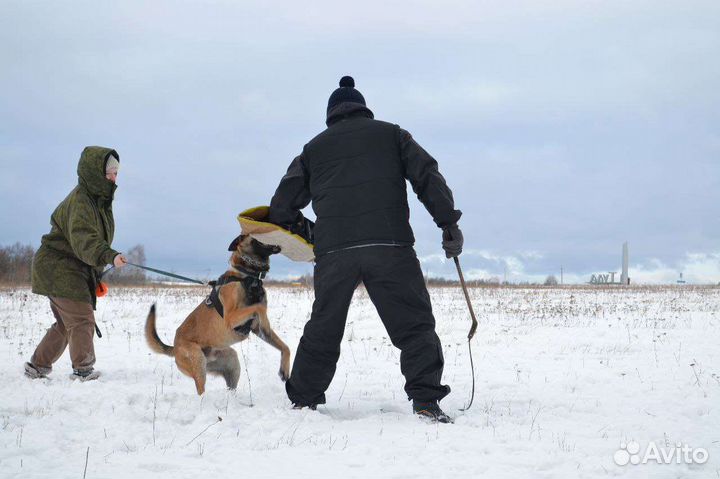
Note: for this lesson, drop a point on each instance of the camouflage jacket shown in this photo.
(72, 256)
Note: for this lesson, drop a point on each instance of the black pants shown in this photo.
(394, 282)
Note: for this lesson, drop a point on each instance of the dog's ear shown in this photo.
(233, 246)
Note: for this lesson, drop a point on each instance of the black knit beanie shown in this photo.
(346, 92)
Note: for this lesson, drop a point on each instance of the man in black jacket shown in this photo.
(355, 173)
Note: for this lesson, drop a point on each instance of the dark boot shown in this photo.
(35, 372)
(87, 375)
(431, 410)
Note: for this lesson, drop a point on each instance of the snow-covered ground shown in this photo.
(564, 377)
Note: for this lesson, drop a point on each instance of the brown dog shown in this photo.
(236, 306)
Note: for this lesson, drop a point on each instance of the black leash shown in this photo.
(167, 273)
(159, 271)
(97, 330)
(473, 328)
(106, 271)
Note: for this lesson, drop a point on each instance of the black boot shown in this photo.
(85, 375)
(431, 410)
(34, 372)
(312, 407)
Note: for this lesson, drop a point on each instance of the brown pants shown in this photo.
(74, 327)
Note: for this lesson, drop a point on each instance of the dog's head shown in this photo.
(245, 245)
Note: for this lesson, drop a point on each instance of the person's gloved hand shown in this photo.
(304, 228)
(452, 241)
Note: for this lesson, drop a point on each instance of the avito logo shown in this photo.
(629, 453)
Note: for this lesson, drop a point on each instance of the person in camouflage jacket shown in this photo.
(68, 265)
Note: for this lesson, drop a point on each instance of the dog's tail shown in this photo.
(152, 337)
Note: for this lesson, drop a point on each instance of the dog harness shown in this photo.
(254, 293)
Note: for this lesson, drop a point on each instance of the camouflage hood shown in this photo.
(72, 255)
(91, 172)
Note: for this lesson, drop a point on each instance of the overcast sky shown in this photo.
(563, 128)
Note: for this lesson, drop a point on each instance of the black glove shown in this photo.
(452, 241)
(304, 228)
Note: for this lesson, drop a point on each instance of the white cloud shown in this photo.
(697, 268)
(484, 264)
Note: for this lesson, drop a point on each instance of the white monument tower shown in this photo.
(624, 279)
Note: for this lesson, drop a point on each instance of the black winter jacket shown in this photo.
(354, 172)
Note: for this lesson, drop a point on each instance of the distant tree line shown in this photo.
(16, 263)
(550, 280)
(16, 266)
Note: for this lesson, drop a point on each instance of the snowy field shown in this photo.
(564, 377)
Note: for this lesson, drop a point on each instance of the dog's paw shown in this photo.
(283, 375)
